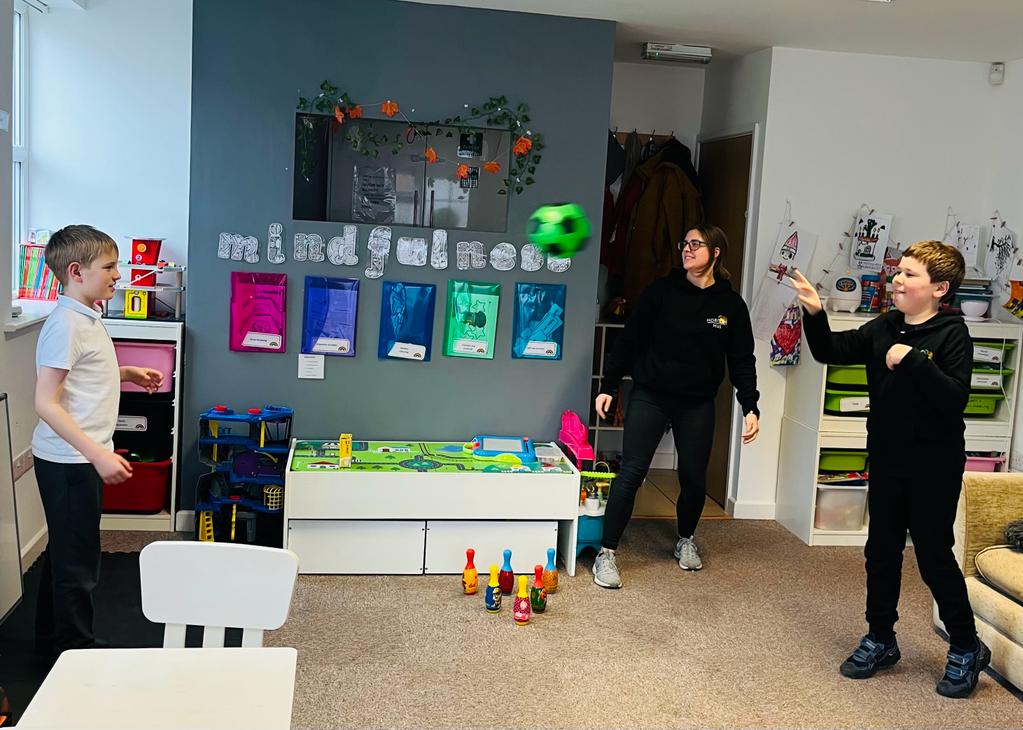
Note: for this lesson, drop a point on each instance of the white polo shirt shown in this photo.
(74, 338)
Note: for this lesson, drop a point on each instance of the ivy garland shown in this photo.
(495, 112)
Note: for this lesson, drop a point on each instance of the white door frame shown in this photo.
(752, 198)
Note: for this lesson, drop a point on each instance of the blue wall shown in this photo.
(249, 63)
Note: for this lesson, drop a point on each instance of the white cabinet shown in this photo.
(163, 332)
(606, 435)
(807, 429)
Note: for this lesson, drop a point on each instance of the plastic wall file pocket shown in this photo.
(539, 326)
(406, 321)
(258, 312)
(329, 319)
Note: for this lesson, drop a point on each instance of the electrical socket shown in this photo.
(22, 463)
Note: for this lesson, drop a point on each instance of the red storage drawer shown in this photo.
(145, 492)
(156, 355)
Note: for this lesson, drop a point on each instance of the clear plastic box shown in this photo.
(840, 508)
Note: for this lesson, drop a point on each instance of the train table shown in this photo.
(413, 507)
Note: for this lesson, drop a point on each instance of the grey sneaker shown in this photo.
(605, 570)
(687, 555)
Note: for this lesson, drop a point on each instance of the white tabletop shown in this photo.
(176, 689)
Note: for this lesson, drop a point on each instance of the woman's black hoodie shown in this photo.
(678, 338)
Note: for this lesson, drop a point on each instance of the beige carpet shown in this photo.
(752, 641)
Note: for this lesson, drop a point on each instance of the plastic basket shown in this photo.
(847, 375)
(982, 404)
(840, 509)
(991, 351)
(842, 460)
(988, 378)
(846, 402)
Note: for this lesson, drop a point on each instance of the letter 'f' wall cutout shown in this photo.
(379, 251)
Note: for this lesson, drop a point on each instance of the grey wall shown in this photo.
(249, 63)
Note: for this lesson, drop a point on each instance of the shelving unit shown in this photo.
(177, 288)
(167, 332)
(664, 457)
(807, 429)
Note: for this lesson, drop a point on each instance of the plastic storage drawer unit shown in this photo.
(988, 351)
(840, 509)
(145, 492)
(156, 355)
(984, 463)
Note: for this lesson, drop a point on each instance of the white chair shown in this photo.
(216, 585)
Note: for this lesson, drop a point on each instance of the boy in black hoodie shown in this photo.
(919, 364)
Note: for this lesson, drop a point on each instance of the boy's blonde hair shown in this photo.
(83, 244)
(943, 261)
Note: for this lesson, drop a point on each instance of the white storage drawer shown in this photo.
(446, 542)
(367, 547)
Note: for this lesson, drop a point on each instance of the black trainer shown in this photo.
(870, 656)
(963, 670)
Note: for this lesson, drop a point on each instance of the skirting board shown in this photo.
(751, 510)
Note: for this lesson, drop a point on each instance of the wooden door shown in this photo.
(724, 181)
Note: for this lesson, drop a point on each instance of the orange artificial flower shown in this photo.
(462, 172)
(339, 115)
(354, 112)
(431, 155)
(522, 146)
(493, 167)
(389, 108)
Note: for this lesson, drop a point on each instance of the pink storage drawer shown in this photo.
(984, 463)
(156, 355)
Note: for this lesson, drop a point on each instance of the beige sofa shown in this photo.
(993, 570)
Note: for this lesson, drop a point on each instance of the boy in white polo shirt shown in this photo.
(78, 384)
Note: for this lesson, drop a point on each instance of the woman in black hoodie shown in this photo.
(680, 334)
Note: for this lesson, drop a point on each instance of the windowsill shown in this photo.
(32, 313)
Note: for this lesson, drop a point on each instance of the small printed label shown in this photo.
(264, 340)
(987, 354)
(132, 423)
(985, 381)
(407, 351)
(332, 345)
(470, 347)
(853, 405)
(310, 367)
(541, 349)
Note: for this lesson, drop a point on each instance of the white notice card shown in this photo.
(310, 367)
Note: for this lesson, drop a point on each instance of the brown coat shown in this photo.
(670, 206)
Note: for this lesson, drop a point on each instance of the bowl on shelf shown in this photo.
(974, 308)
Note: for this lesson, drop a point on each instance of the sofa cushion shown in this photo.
(1002, 567)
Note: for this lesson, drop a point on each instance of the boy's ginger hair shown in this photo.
(83, 244)
(943, 261)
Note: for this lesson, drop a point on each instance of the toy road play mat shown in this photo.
(407, 456)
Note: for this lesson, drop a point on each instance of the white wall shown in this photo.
(908, 136)
(1004, 189)
(17, 350)
(649, 96)
(110, 94)
(735, 99)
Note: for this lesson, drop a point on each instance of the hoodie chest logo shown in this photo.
(718, 322)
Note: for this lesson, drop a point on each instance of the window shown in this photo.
(19, 143)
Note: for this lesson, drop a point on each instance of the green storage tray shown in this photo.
(987, 351)
(838, 402)
(842, 460)
(987, 378)
(847, 375)
(982, 404)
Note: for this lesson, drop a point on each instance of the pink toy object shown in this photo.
(574, 436)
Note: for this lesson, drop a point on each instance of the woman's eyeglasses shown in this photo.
(693, 245)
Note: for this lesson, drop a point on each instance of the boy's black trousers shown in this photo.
(920, 498)
(72, 496)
